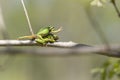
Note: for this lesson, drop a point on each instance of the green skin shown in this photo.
(47, 39)
(44, 32)
(44, 36)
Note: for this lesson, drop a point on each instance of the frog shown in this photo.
(44, 35)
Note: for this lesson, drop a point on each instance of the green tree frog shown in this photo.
(44, 35)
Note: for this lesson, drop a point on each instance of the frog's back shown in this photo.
(43, 31)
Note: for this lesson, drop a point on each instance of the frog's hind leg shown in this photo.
(32, 37)
(40, 37)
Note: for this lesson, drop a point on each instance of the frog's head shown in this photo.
(52, 29)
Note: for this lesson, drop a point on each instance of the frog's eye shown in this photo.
(51, 28)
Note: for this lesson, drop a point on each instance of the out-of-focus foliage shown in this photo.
(109, 69)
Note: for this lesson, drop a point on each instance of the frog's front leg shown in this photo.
(52, 38)
(41, 41)
(45, 40)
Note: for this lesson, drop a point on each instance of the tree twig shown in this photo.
(69, 44)
(28, 20)
(96, 26)
(64, 48)
(115, 6)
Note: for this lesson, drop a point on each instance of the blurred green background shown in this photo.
(77, 17)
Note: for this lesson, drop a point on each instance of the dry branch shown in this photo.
(61, 48)
(69, 44)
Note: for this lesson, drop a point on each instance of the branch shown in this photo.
(69, 44)
(115, 6)
(64, 48)
(27, 17)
